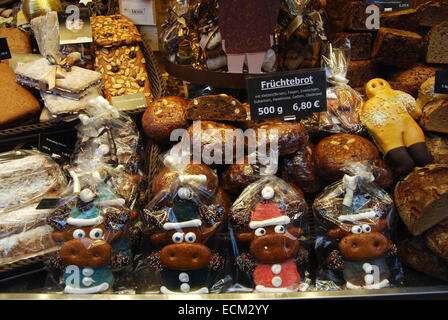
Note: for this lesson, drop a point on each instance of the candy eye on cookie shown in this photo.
(178, 237)
(279, 229)
(96, 233)
(79, 234)
(365, 228)
(260, 232)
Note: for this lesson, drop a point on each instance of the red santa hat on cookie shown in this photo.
(267, 214)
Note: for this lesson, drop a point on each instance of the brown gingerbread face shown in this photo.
(273, 244)
(364, 242)
(185, 249)
(85, 252)
(86, 246)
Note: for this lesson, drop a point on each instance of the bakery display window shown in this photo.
(132, 164)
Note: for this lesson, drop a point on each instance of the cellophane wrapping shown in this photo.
(354, 226)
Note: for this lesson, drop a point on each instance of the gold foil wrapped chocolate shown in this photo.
(35, 8)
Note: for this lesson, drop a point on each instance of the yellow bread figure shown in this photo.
(390, 117)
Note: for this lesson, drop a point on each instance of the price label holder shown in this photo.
(441, 82)
(393, 5)
(287, 95)
(4, 49)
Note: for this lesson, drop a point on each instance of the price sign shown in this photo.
(287, 94)
(4, 49)
(441, 82)
(392, 5)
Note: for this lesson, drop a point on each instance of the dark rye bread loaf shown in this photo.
(438, 146)
(397, 48)
(410, 80)
(360, 72)
(433, 15)
(402, 19)
(356, 15)
(218, 107)
(436, 239)
(436, 44)
(435, 116)
(361, 44)
(414, 253)
(421, 198)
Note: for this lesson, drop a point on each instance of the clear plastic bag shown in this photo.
(92, 217)
(183, 217)
(343, 102)
(270, 238)
(354, 222)
(26, 177)
(89, 223)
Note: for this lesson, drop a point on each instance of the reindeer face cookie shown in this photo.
(183, 217)
(264, 216)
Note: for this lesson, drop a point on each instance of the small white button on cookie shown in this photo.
(87, 272)
(368, 279)
(276, 268)
(185, 287)
(276, 282)
(87, 281)
(184, 277)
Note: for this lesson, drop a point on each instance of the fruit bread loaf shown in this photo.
(435, 116)
(421, 198)
(164, 115)
(436, 239)
(360, 72)
(356, 15)
(395, 47)
(218, 107)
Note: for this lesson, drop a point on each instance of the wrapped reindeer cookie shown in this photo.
(184, 214)
(270, 234)
(89, 224)
(343, 102)
(353, 244)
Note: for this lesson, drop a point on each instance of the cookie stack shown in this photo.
(118, 57)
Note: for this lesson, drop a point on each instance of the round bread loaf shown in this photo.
(164, 115)
(300, 169)
(421, 198)
(334, 152)
(291, 136)
(211, 138)
(167, 176)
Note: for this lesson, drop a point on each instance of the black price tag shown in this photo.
(4, 49)
(392, 5)
(49, 203)
(287, 94)
(441, 82)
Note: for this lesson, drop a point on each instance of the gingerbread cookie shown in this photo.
(124, 71)
(353, 217)
(390, 117)
(266, 216)
(114, 30)
(182, 217)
